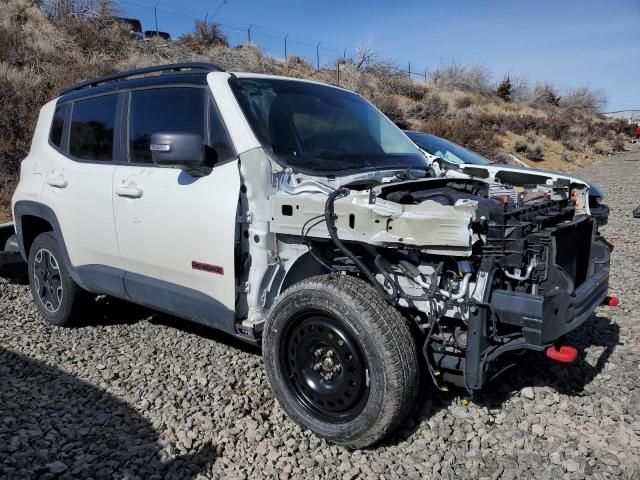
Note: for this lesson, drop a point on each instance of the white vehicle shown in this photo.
(295, 214)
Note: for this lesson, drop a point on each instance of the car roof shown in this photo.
(192, 73)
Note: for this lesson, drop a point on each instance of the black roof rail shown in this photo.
(169, 68)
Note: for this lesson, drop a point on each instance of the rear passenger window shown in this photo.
(175, 109)
(57, 125)
(92, 125)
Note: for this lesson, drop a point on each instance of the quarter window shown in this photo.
(92, 127)
(174, 109)
(57, 125)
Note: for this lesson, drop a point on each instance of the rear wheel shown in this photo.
(54, 292)
(341, 361)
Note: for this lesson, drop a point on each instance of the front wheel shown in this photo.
(341, 361)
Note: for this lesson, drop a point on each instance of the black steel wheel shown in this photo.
(54, 292)
(341, 361)
(325, 367)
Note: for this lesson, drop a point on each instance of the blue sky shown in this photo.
(569, 43)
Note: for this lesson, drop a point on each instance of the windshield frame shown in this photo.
(455, 148)
(413, 159)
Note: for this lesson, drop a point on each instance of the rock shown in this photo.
(609, 459)
(57, 467)
(571, 465)
(527, 392)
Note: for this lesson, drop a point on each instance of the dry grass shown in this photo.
(6, 190)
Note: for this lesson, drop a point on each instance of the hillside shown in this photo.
(41, 54)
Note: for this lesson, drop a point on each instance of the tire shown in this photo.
(361, 391)
(54, 292)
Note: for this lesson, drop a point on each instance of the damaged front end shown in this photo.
(481, 272)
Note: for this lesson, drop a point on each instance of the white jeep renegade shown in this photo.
(295, 214)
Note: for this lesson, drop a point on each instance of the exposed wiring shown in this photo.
(320, 219)
(333, 233)
(386, 275)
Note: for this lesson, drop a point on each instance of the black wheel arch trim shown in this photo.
(44, 212)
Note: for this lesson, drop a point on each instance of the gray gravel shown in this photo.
(132, 394)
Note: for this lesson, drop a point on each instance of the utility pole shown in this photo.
(344, 54)
(409, 69)
(205, 20)
(249, 32)
(286, 57)
(318, 54)
(155, 13)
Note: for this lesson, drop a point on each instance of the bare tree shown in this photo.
(585, 99)
(520, 90)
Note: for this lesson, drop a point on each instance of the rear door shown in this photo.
(176, 232)
(78, 187)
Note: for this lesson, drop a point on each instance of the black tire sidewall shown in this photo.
(63, 316)
(364, 331)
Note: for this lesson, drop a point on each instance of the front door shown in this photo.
(176, 232)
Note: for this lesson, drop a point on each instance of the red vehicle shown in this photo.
(638, 132)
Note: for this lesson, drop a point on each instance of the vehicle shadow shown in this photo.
(53, 422)
(531, 369)
(105, 310)
(536, 370)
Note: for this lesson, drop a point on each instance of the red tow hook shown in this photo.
(562, 353)
(611, 301)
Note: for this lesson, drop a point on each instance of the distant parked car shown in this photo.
(135, 26)
(450, 159)
(149, 34)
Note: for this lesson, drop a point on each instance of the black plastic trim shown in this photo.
(181, 301)
(172, 67)
(544, 319)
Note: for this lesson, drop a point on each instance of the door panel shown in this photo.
(80, 194)
(172, 221)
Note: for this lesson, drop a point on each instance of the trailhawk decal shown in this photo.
(207, 267)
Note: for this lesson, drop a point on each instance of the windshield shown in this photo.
(446, 150)
(322, 130)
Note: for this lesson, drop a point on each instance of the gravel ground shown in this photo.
(131, 394)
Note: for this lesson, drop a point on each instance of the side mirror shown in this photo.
(185, 151)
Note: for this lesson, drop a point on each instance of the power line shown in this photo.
(253, 30)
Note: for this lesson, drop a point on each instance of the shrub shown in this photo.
(463, 102)
(505, 89)
(601, 148)
(451, 75)
(617, 145)
(204, 36)
(390, 106)
(534, 152)
(520, 146)
(431, 106)
(546, 94)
